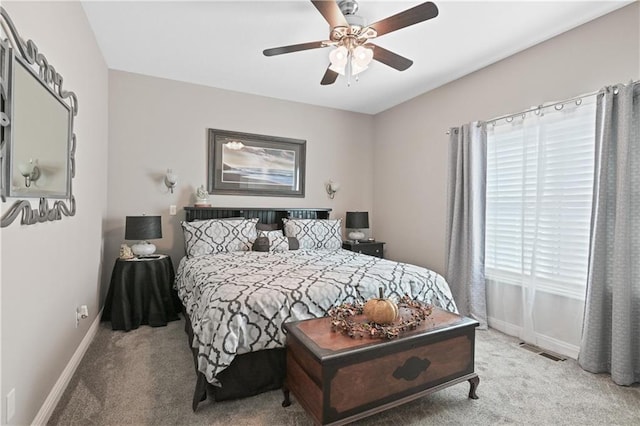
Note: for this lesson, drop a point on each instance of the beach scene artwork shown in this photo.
(258, 166)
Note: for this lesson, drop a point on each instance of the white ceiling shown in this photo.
(220, 44)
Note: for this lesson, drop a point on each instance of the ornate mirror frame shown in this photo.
(14, 49)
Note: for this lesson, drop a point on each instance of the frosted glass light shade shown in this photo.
(339, 57)
(360, 60)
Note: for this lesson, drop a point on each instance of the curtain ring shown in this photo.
(579, 102)
(558, 107)
(508, 119)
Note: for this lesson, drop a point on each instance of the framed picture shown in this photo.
(248, 164)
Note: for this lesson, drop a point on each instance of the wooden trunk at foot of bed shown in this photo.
(255, 372)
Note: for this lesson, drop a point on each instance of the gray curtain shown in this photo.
(611, 331)
(466, 200)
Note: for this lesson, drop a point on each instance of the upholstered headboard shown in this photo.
(266, 215)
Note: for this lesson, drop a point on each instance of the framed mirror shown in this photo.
(38, 143)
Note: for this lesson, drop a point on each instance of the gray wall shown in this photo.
(50, 268)
(155, 124)
(410, 154)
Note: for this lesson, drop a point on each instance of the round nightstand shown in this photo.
(141, 292)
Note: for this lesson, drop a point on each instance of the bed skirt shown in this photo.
(249, 374)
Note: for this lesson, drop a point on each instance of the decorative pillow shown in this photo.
(294, 244)
(261, 244)
(315, 233)
(218, 235)
(279, 244)
(270, 234)
(277, 240)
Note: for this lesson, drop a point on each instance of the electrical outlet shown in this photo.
(172, 210)
(11, 404)
(82, 312)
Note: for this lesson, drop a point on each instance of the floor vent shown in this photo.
(546, 354)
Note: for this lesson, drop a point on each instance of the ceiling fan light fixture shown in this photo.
(352, 37)
(362, 55)
(357, 69)
(338, 58)
(339, 70)
(360, 59)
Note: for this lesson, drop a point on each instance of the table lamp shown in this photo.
(143, 228)
(357, 221)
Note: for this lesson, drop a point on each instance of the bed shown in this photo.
(236, 299)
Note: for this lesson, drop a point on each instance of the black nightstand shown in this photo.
(372, 248)
(141, 293)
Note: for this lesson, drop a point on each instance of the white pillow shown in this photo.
(218, 235)
(322, 234)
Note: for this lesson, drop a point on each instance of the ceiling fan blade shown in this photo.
(419, 13)
(330, 77)
(293, 48)
(389, 58)
(331, 12)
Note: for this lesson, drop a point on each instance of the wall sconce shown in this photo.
(170, 180)
(30, 171)
(332, 187)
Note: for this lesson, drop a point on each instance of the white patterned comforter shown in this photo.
(238, 301)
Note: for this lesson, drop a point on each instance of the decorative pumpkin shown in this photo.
(381, 310)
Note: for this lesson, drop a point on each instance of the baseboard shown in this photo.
(63, 381)
(543, 341)
(558, 346)
(505, 327)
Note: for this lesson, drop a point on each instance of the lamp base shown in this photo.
(143, 248)
(356, 235)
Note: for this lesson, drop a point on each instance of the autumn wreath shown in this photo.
(343, 319)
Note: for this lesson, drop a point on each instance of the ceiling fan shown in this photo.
(352, 38)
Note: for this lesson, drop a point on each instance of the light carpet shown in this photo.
(146, 377)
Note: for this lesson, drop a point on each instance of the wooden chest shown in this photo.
(338, 379)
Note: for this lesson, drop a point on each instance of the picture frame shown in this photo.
(251, 164)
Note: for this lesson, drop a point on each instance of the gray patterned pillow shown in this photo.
(324, 234)
(277, 241)
(218, 235)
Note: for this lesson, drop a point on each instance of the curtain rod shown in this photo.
(577, 99)
(552, 104)
(539, 107)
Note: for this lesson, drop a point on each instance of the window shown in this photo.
(539, 195)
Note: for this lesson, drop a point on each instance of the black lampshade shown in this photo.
(357, 220)
(143, 228)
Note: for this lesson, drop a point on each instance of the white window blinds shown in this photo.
(539, 195)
